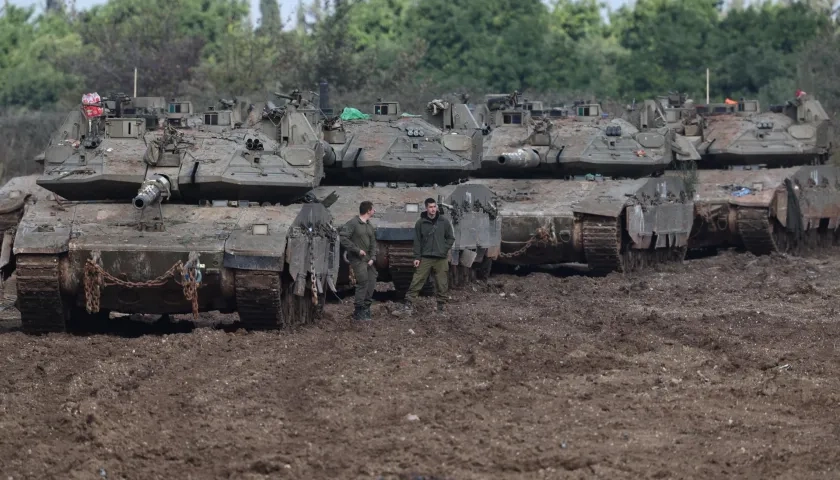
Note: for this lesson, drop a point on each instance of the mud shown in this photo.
(717, 368)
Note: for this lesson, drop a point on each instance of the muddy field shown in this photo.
(721, 367)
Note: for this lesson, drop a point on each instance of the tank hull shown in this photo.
(490, 168)
(613, 225)
(80, 261)
(777, 210)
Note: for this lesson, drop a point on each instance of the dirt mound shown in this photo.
(719, 367)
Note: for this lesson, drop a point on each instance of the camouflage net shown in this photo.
(97, 278)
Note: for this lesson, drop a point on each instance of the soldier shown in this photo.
(358, 237)
(433, 238)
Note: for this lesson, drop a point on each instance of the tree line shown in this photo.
(414, 50)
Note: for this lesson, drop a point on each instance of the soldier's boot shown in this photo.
(405, 309)
(359, 314)
(440, 307)
(366, 313)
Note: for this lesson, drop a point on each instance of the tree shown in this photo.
(497, 44)
(270, 22)
(164, 40)
(34, 57)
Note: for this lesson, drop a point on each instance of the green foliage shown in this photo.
(417, 47)
(33, 54)
(481, 43)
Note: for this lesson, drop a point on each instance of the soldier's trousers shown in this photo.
(440, 267)
(365, 282)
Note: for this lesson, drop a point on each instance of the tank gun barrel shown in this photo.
(329, 154)
(151, 191)
(520, 159)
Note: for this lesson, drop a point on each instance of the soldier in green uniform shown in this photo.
(358, 237)
(433, 238)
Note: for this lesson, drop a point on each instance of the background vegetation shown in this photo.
(410, 50)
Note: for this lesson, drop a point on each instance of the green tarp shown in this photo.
(353, 114)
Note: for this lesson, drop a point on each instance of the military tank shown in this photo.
(398, 160)
(525, 139)
(439, 147)
(555, 214)
(198, 214)
(760, 181)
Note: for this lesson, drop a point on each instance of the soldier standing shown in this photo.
(433, 238)
(358, 237)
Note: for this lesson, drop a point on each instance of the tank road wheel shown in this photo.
(607, 249)
(762, 235)
(42, 308)
(259, 297)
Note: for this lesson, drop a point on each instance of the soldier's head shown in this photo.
(366, 209)
(431, 207)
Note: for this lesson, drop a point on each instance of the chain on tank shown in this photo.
(96, 278)
(541, 236)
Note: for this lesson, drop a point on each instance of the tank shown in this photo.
(526, 139)
(757, 178)
(202, 213)
(397, 160)
(439, 147)
(616, 217)
(472, 210)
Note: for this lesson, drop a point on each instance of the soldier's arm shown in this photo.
(374, 249)
(346, 233)
(449, 235)
(417, 238)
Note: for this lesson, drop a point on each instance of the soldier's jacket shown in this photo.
(433, 238)
(358, 235)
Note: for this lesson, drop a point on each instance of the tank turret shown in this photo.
(524, 138)
(195, 211)
(440, 146)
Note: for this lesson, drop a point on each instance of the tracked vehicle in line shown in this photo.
(397, 161)
(551, 169)
(760, 181)
(176, 215)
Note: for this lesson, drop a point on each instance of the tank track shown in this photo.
(760, 234)
(602, 243)
(265, 302)
(401, 268)
(605, 251)
(41, 306)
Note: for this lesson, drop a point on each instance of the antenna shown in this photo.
(135, 82)
(707, 86)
